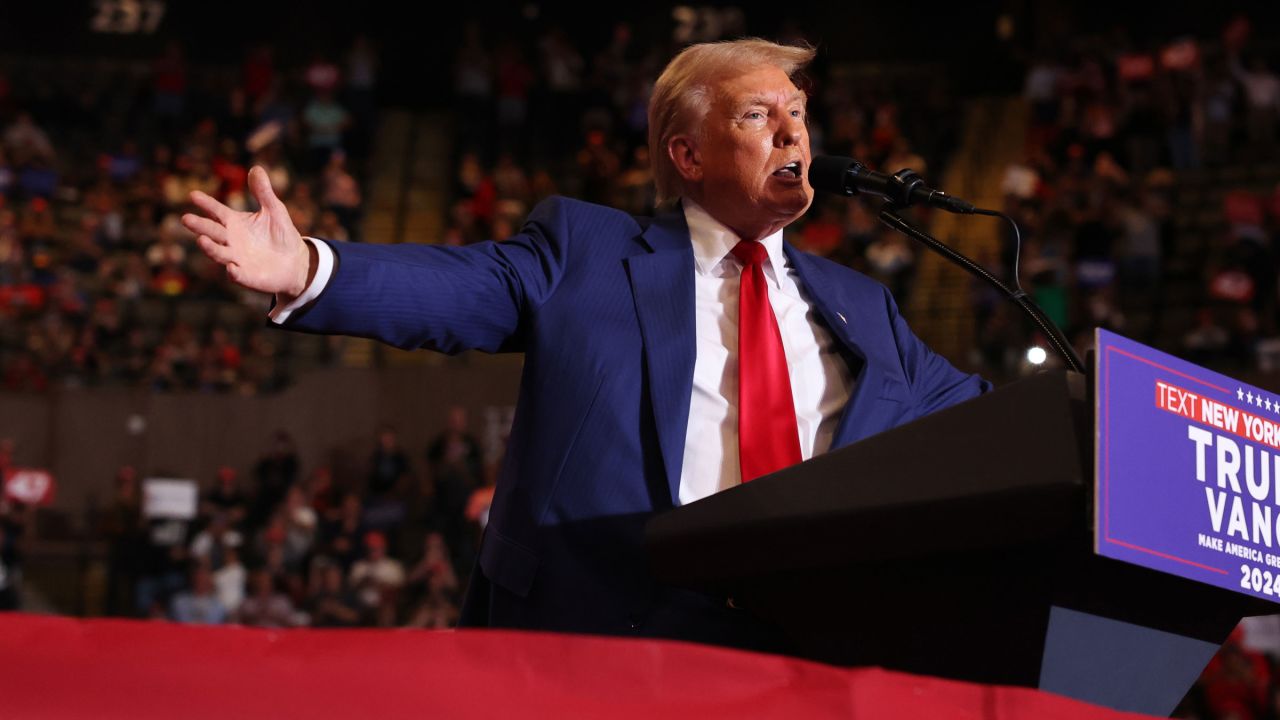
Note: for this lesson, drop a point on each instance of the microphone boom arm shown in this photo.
(891, 218)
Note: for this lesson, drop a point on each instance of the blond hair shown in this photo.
(682, 94)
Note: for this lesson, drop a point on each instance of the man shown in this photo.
(630, 395)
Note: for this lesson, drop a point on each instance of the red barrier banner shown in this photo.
(55, 667)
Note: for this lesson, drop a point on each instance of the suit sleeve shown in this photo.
(442, 298)
(935, 383)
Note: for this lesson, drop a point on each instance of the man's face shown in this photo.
(752, 161)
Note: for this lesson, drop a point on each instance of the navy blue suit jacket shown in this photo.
(602, 305)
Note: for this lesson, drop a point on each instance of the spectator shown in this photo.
(377, 580)
(322, 75)
(342, 194)
(13, 524)
(454, 463)
(823, 234)
(25, 142)
(333, 604)
(473, 86)
(361, 78)
(164, 569)
(436, 583)
(326, 121)
(166, 252)
(201, 604)
(389, 465)
(1262, 91)
(1236, 681)
(514, 80)
(122, 526)
(274, 474)
(258, 72)
(329, 227)
(344, 538)
(890, 259)
(303, 208)
(300, 522)
(10, 577)
(325, 499)
(264, 606)
(210, 545)
(635, 189)
(229, 579)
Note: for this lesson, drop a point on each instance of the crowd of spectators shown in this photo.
(99, 281)
(1240, 682)
(1149, 199)
(1143, 165)
(393, 547)
(538, 115)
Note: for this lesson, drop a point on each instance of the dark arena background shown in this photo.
(341, 483)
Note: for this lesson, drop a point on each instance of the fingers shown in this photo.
(260, 186)
(219, 253)
(204, 226)
(212, 206)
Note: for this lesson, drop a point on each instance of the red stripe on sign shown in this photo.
(1210, 412)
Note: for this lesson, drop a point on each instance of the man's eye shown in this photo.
(755, 115)
(797, 113)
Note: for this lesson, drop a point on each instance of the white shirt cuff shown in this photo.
(324, 270)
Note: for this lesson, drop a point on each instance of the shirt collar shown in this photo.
(713, 242)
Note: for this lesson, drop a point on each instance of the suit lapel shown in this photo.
(662, 285)
(849, 326)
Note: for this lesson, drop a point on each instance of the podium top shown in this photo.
(1001, 469)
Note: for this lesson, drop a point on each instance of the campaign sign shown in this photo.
(1188, 469)
(175, 498)
(32, 486)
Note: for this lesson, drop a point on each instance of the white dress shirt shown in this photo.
(820, 379)
(324, 268)
(821, 383)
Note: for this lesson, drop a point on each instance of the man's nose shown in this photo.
(790, 132)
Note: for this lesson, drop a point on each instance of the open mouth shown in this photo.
(789, 171)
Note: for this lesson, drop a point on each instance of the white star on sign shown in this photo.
(1239, 394)
(1249, 398)
(1268, 404)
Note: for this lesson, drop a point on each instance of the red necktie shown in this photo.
(768, 438)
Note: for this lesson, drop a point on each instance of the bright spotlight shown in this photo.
(1036, 355)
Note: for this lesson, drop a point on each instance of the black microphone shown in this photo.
(848, 177)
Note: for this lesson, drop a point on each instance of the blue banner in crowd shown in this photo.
(1188, 469)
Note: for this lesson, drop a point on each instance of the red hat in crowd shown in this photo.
(375, 539)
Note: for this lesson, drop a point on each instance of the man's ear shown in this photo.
(684, 154)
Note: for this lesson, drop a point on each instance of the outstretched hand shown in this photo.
(263, 250)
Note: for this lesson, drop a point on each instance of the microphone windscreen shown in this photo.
(827, 173)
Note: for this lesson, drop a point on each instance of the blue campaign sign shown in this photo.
(1187, 469)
